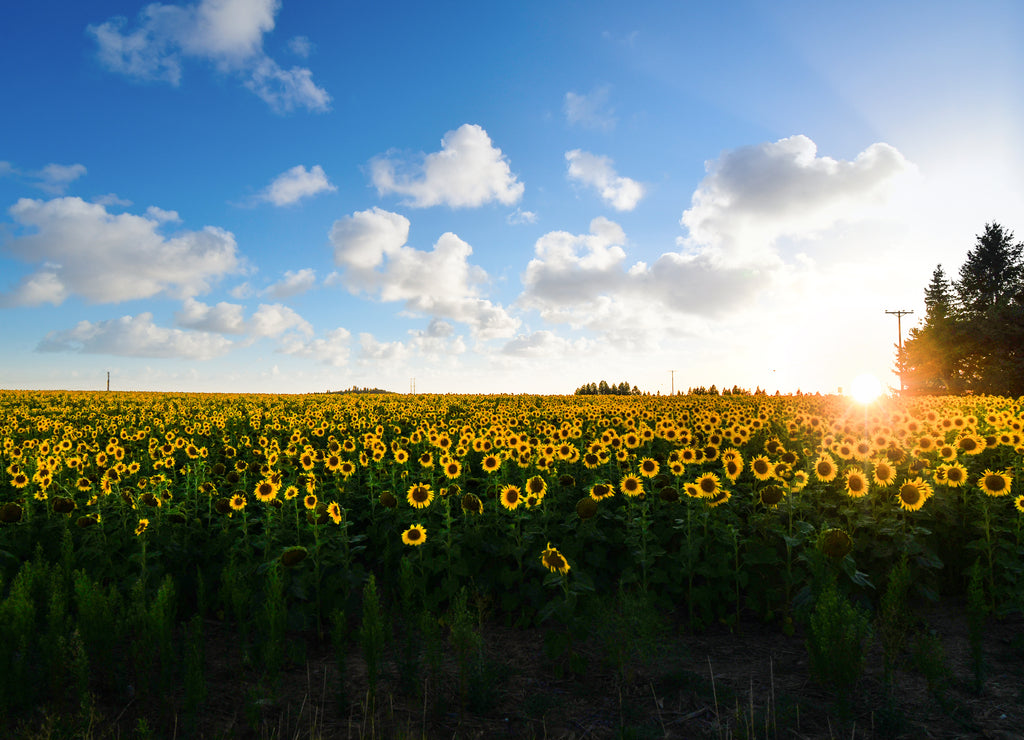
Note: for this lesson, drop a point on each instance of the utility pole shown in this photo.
(899, 331)
(673, 374)
(108, 380)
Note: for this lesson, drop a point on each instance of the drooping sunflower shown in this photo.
(419, 495)
(631, 485)
(995, 484)
(601, 491)
(415, 535)
(855, 482)
(334, 511)
(471, 504)
(720, 497)
(510, 497)
(554, 561)
(772, 495)
(142, 527)
(825, 468)
(913, 494)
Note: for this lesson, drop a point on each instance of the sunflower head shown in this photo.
(554, 561)
(995, 484)
(388, 500)
(772, 495)
(471, 504)
(835, 543)
(293, 556)
(415, 535)
(586, 507)
(511, 497)
(669, 494)
(10, 513)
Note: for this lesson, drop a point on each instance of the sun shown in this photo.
(866, 388)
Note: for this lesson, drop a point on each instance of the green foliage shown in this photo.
(837, 632)
(372, 636)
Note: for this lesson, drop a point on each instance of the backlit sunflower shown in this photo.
(913, 494)
(419, 495)
(415, 535)
(994, 484)
(761, 467)
(631, 485)
(955, 475)
(510, 497)
(855, 482)
(825, 468)
(772, 495)
(471, 504)
(884, 474)
(554, 561)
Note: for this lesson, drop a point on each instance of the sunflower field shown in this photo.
(130, 521)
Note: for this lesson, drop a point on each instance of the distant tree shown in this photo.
(604, 388)
(972, 334)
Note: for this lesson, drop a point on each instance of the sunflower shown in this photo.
(490, 463)
(955, 475)
(452, 469)
(884, 474)
(772, 495)
(554, 561)
(970, 444)
(631, 485)
(309, 501)
(835, 543)
(415, 535)
(237, 501)
(994, 484)
(649, 467)
(291, 492)
(266, 491)
(825, 468)
(20, 480)
(720, 497)
(511, 497)
(761, 467)
(1019, 503)
(856, 482)
(471, 504)
(732, 469)
(419, 495)
(143, 525)
(800, 480)
(334, 511)
(601, 491)
(708, 485)
(426, 460)
(913, 494)
(536, 486)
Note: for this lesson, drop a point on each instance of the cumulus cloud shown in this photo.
(598, 172)
(754, 195)
(519, 216)
(223, 318)
(135, 336)
(83, 250)
(292, 284)
(227, 33)
(275, 319)
(370, 246)
(333, 349)
(468, 172)
(590, 110)
(570, 267)
(297, 183)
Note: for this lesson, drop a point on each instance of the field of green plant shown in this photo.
(392, 526)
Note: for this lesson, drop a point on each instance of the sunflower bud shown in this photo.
(586, 507)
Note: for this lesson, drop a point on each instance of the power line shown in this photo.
(899, 331)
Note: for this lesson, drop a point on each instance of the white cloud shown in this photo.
(754, 195)
(598, 172)
(227, 33)
(55, 178)
(223, 318)
(590, 110)
(81, 249)
(135, 336)
(292, 284)
(333, 349)
(569, 268)
(468, 172)
(274, 320)
(159, 214)
(290, 187)
(300, 46)
(519, 216)
(370, 245)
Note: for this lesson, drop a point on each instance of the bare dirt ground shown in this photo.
(747, 683)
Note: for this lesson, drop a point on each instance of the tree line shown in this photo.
(971, 339)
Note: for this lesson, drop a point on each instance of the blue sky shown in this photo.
(250, 195)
